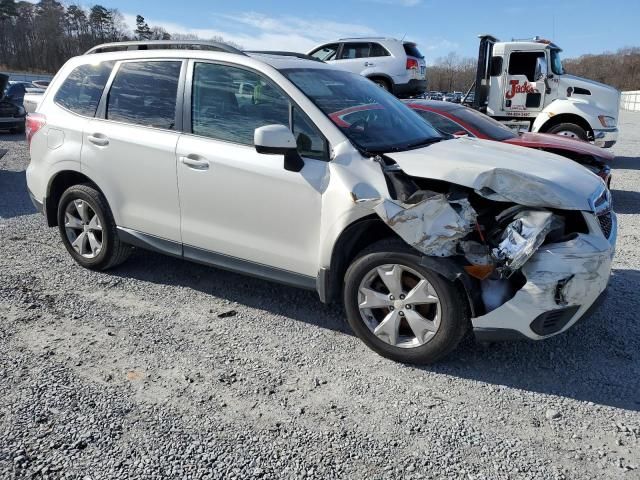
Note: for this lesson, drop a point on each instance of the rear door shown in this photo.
(239, 205)
(354, 57)
(129, 148)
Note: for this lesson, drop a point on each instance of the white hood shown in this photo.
(504, 172)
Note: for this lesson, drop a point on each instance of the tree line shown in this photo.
(41, 37)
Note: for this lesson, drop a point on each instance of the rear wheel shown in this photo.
(399, 308)
(88, 230)
(382, 83)
(569, 130)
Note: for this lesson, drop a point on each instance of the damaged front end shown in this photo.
(533, 271)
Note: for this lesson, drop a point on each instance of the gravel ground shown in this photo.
(166, 369)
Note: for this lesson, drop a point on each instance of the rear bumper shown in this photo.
(564, 281)
(8, 123)
(605, 138)
(413, 87)
(36, 203)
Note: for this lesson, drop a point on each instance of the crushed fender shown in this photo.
(429, 221)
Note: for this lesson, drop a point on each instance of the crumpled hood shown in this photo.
(503, 172)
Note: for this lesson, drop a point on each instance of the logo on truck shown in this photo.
(517, 88)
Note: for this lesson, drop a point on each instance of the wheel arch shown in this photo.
(56, 187)
(566, 118)
(382, 76)
(370, 229)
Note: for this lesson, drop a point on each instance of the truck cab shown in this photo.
(522, 83)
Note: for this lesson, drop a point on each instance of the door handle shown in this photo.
(368, 64)
(197, 163)
(98, 139)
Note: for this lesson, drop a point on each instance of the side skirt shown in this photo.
(213, 259)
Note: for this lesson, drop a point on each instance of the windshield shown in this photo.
(484, 124)
(374, 120)
(556, 63)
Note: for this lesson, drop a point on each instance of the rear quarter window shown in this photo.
(412, 50)
(81, 91)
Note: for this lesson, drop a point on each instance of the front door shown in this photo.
(130, 152)
(237, 204)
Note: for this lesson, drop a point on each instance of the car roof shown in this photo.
(436, 104)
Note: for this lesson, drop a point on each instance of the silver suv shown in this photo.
(293, 171)
(395, 65)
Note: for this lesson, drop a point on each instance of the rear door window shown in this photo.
(378, 50)
(144, 93)
(354, 50)
(81, 91)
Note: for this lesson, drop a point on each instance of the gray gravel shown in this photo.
(165, 369)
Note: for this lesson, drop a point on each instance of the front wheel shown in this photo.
(88, 229)
(399, 308)
(569, 130)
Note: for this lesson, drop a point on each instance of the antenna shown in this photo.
(402, 39)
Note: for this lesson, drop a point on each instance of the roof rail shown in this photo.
(367, 38)
(303, 56)
(164, 44)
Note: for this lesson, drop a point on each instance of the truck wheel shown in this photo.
(569, 130)
(399, 308)
(88, 229)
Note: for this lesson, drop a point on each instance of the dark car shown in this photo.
(457, 119)
(12, 113)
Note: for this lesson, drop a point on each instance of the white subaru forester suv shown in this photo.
(296, 172)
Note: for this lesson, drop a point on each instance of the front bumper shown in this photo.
(564, 280)
(605, 138)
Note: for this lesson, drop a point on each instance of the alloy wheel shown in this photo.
(83, 228)
(399, 306)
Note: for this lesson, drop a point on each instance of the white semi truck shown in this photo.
(522, 83)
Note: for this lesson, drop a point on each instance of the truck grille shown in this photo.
(606, 223)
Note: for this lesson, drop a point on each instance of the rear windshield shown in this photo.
(412, 50)
(484, 124)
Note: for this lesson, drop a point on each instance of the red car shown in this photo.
(456, 119)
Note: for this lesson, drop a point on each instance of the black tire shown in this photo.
(382, 83)
(454, 322)
(577, 130)
(113, 251)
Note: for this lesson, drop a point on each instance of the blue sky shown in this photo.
(439, 26)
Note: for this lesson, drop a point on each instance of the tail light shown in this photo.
(33, 123)
(412, 64)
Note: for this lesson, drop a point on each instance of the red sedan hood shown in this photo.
(546, 141)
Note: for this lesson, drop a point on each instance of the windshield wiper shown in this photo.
(410, 146)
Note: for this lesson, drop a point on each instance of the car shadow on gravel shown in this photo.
(295, 303)
(14, 199)
(598, 360)
(625, 201)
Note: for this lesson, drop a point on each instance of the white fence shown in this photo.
(630, 101)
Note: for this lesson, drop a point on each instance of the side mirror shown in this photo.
(278, 140)
(542, 69)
